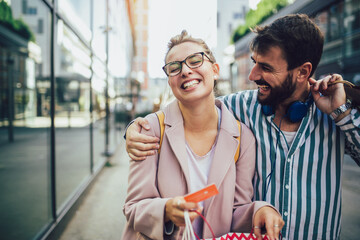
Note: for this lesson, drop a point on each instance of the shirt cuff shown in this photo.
(169, 228)
(132, 121)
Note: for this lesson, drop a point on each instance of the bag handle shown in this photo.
(189, 233)
(207, 223)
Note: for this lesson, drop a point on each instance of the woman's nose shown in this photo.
(185, 70)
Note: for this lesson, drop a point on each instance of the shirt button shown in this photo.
(285, 213)
(288, 159)
(287, 186)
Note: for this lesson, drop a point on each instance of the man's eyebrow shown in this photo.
(262, 64)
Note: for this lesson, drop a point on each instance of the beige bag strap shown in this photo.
(237, 154)
(161, 116)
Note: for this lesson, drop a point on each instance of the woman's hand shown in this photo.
(174, 210)
(268, 218)
(139, 145)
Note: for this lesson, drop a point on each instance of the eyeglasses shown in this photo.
(193, 61)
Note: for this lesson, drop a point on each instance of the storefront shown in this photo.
(56, 100)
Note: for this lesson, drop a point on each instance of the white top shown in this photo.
(199, 168)
(289, 136)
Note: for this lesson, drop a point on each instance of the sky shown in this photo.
(253, 3)
(168, 18)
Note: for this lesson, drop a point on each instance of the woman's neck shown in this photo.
(200, 125)
(201, 116)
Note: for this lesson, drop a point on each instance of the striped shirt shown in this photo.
(305, 184)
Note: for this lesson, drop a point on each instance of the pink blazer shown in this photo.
(160, 177)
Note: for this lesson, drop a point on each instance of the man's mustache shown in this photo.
(262, 82)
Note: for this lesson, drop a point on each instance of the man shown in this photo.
(300, 126)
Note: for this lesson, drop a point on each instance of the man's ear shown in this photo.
(304, 72)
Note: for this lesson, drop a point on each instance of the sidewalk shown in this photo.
(100, 216)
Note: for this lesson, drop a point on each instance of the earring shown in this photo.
(215, 77)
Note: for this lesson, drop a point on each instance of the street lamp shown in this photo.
(107, 151)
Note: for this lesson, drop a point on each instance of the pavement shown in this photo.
(100, 217)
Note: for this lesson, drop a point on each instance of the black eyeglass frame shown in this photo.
(184, 61)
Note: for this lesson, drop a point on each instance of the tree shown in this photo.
(16, 25)
(264, 10)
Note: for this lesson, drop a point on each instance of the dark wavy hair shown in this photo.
(299, 38)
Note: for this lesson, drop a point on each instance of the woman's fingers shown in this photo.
(174, 210)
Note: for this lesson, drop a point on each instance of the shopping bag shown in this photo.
(237, 236)
(189, 233)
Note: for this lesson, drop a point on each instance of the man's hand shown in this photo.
(327, 95)
(139, 145)
(270, 219)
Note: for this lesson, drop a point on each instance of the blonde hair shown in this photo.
(185, 37)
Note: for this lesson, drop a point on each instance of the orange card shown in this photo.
(202, 194)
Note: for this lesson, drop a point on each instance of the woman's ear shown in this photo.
(216, 68)
(304, 71)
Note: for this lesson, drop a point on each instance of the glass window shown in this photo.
(334, 31)
(72, 113)
(352, 46)
(78, 13)
(25, 121)
(322, 21)
(114, 135)
(98, 113)
(351, 15)
(99, 25)
(331, 54)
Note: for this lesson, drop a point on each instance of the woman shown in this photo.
(198, 149)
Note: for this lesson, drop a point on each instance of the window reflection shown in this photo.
(28, 76)
(334, 22)
(322, 21)
(78, 11)
(98, 100)
(24, 119)
(72, 113)
(352, 46)
(99, 24)
(351, 15)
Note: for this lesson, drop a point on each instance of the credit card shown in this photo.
(202, 194)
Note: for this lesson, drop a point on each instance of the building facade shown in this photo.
(340, 23)
(230, 14)
(60, 62)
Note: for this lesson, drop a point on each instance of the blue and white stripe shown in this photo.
(306, 182)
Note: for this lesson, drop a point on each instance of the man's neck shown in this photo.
(281, 111)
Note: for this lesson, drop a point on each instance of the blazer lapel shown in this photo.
(223, 159)
(176, 136)
(226, 147)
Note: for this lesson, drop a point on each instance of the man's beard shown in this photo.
(278, 94)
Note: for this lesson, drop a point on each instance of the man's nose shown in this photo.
(255, 73)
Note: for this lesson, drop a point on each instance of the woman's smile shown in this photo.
(190, 84)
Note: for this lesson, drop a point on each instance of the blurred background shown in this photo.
(73, 73)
